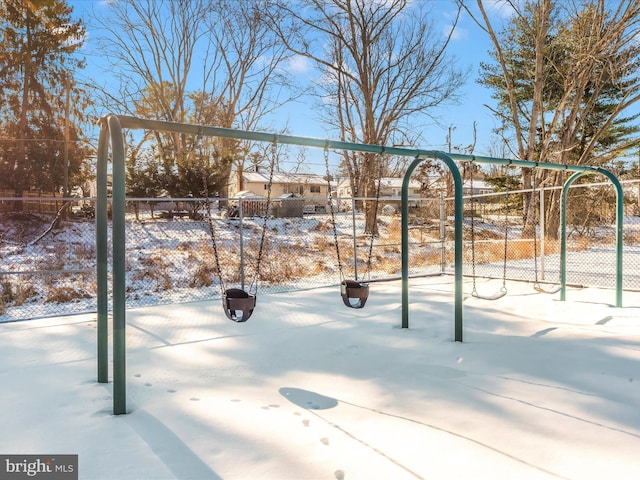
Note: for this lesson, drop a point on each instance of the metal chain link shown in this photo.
(332, 210)
(272, 164)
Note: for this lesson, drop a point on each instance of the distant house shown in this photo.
(292, 194)
(390, 191)
(305, 185)
(389, 187)
(480, 187)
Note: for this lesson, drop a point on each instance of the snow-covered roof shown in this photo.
(280, 177)
(478, 185)
(387, 182)
(247, 194)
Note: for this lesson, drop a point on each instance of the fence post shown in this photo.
(355, 244)
(443, 235)
(240, 219)
(542, 233)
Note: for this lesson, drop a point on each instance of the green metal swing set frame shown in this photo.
(111, 127)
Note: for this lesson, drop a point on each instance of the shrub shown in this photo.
(65, 294)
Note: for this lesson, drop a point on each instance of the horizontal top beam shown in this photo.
(522, 163)
(141, 123)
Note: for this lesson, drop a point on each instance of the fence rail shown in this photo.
(48, 264)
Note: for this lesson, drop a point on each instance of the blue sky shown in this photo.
(470, 45)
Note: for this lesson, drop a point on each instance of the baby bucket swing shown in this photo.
(354, 292)
(238, 303)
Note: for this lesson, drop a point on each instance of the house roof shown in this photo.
(387, 182)
(478, 185)
(280, 177)
(247, 194)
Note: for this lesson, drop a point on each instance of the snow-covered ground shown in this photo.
(309, 389)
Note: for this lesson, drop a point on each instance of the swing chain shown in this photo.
(212, 232)
(375, 212)
(474, 291)
(534, 198)
(332, 210)
(274, 151)
(503, 288)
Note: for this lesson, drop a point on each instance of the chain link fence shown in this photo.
(181, 250)
(501, 249)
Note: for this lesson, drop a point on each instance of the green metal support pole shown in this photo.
(457, 254)
(102, 255)
(119, 267)
(563, 234)
(458, 293)
(619, 231)
(404, 247)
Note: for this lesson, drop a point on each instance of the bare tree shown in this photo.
(565, 74)
(175, 57)
(245, 75)
(383, 64)
(150, 45)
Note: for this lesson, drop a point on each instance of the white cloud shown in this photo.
(459, 33)
(299, 64)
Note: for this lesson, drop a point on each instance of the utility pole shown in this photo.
(451, 128)
(65, 150)
(65, 147)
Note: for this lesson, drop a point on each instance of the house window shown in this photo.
(314, 188)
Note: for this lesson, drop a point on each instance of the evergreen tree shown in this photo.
(37, 61)
(563, 76)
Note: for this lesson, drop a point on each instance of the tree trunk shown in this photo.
(552, 215)
(372, 179)
(552, 207)
(529, 203)
(21, 150)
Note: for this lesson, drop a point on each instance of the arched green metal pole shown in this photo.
(110, 129)
(102, 255)
(119, 267)
(619, 231)
(458, 294)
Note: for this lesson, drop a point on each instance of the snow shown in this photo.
(310, 389)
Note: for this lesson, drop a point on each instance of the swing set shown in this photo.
(111, 135)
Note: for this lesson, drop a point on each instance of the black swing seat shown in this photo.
(238, 304)
(354, 290)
